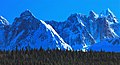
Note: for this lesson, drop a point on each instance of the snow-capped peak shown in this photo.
(93, 14)
(110, 13)
(73, 16)
(26, 13)
(3, 21)
(111, 16)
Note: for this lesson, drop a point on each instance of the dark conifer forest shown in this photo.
(58, 57)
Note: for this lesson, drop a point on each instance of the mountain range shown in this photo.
(79, 32)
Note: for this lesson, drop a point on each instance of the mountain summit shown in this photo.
(26, 13)
(3, 21)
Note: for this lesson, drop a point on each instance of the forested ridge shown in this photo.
(58, 57)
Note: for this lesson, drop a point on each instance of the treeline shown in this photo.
(58, 57)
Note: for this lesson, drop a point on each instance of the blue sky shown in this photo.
(57, 10)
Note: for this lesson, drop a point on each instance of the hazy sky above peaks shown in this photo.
(58, 10)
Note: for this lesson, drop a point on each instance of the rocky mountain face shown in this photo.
(4, 26)
(79, 29)
(78, 32)
(27, 31)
